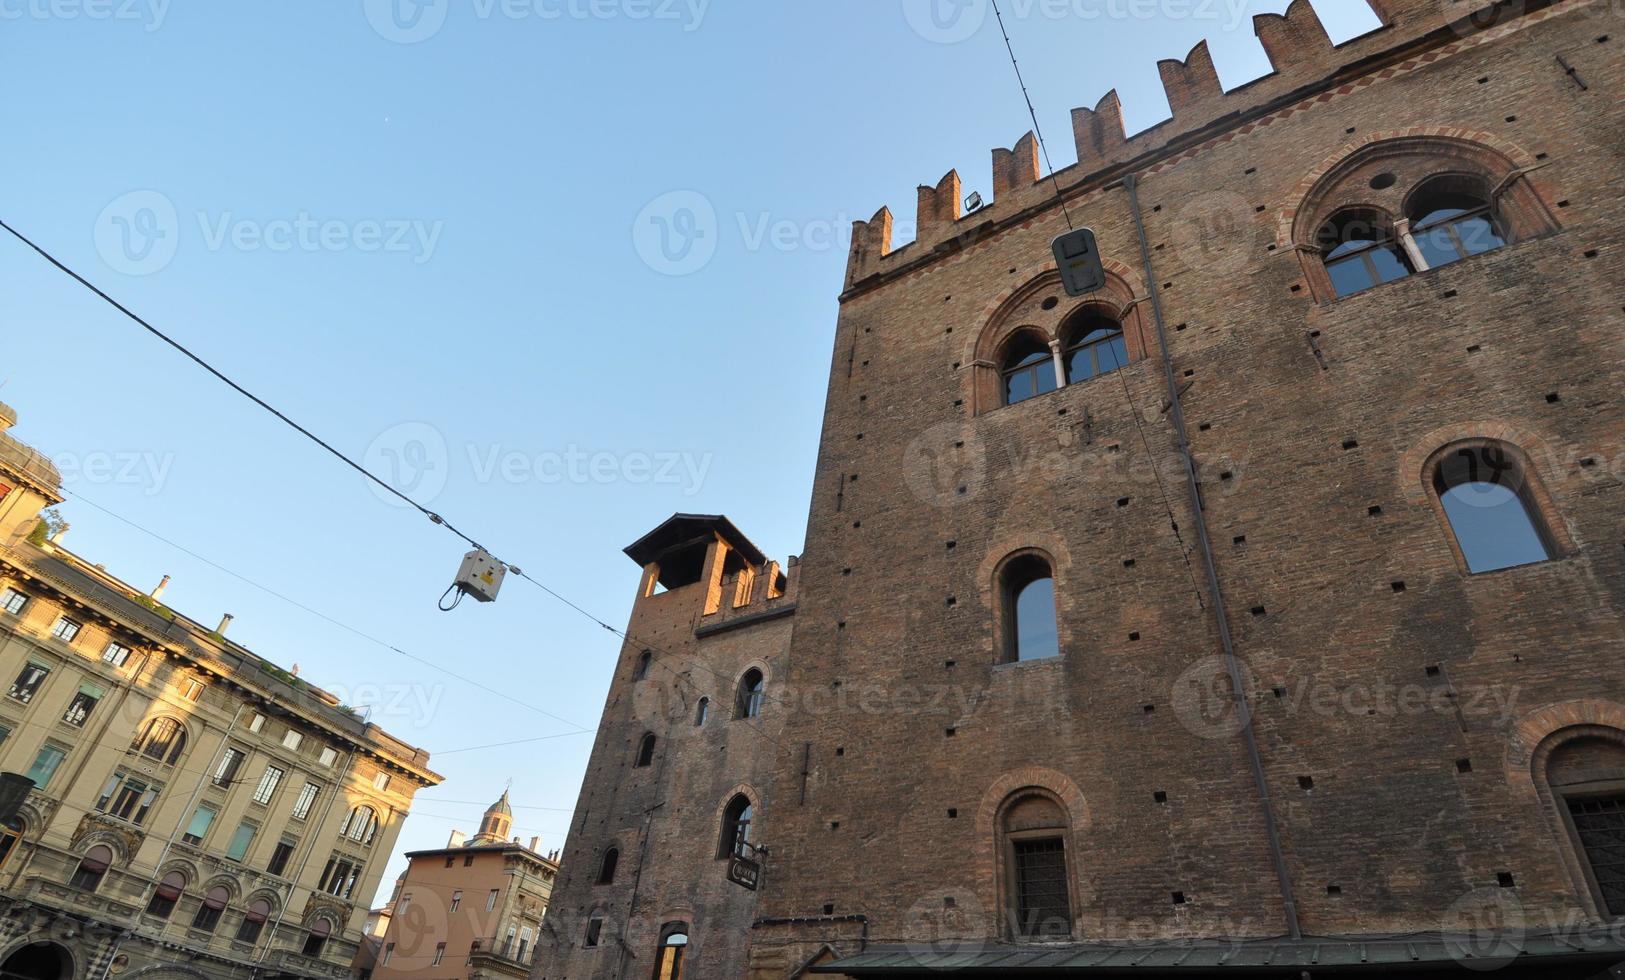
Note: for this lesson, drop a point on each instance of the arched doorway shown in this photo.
(38, 961)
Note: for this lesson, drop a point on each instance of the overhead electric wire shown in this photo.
(581, 729)
(434, 517)
(1038, 131)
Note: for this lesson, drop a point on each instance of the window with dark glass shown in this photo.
(208, 914)
(1028, 369)
(28, 682)
(606, 867)
(127, 797)
(1486, 497)
(736, 828)
(1360, 251)
(1029, 610)
(248, 931)
(11, 834)
(1451, 219)
(163, 740)
(1094, 346)
(168, 895)
(226, 773)
(595, 931)
(316, 940)
(280, 857)
(752, 687)
(645, 660)
(92, 868)
(83, 703)
(1043, 908)
(646, 751)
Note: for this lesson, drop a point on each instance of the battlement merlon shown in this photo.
(1301, 55)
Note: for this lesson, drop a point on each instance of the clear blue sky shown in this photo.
(447, 255)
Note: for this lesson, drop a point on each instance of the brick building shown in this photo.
(1257, 614)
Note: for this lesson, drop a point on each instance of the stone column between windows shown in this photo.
(1060, 367)
(1402, 229)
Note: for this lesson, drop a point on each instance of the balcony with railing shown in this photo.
(503, 952)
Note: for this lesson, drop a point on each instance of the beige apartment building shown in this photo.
(472, 909)
(198, 812)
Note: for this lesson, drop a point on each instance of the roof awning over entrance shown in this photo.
(1580, 953)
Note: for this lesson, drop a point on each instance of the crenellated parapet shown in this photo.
(1302, 57)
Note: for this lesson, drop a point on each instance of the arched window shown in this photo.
(1587, 779)
(316, 940)
(702, 711)
(645, 660)
(1037, 882)
(1094, 346)
(214, 903)
(1361, 250)
(606, 867)
(673, 944)
(168, 895)
(1485, 491)
(646, 751)
(1029, 610)
(736, 828)
(1451, 219)
(360, 825)
(163, 740)
(1028, 369)
(248, 931)
(11, 834)
(752, 688)
(92, 868)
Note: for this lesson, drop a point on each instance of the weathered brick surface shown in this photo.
(918, 734)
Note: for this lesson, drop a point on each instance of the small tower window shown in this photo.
(1029, 610)
(736, 828)
(701, 712)
(646, 751)
(752, 688)
(645, 661)
(606, 867)
(1485, 492)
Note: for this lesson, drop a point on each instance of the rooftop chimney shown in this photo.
(536, 845)
(225, 621)
(158, 593)
(458, 838)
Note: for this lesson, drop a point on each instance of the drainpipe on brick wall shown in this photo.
(1244, 711)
